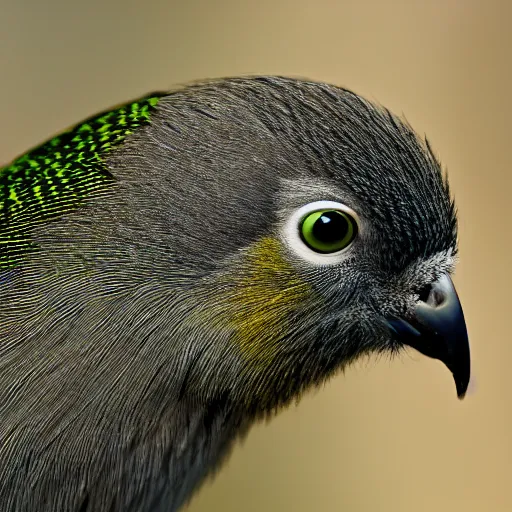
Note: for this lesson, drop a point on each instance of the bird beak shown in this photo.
(438, 330)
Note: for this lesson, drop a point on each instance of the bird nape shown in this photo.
(181, 266)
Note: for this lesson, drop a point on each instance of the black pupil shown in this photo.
(331, 227)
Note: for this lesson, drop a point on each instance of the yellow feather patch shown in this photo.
(267, 292)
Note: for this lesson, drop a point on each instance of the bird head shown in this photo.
(285, 228)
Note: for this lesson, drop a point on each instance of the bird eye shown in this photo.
(320, 232)
(328, 231)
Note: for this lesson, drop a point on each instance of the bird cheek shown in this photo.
(260, 300)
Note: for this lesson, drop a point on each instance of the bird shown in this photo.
(184, 265)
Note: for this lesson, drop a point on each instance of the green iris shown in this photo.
(328, 231)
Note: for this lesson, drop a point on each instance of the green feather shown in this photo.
(60, 175)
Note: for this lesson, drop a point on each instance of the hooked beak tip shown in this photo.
(438, 330)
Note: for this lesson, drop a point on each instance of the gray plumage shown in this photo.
(146, 333)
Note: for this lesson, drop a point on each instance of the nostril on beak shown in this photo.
(432, 296)
(436, 298)
(424, 293)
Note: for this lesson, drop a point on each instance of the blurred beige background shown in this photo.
(388, 435)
